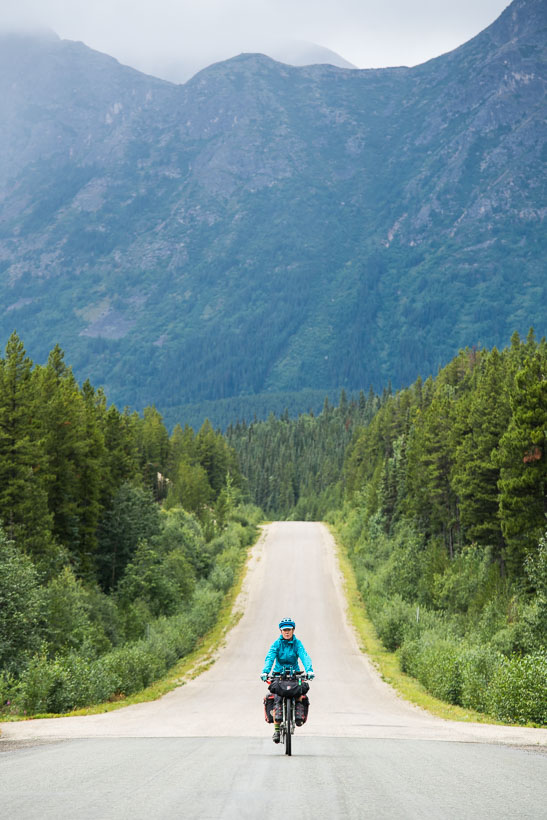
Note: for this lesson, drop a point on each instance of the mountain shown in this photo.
(266, 228)
(178, 68)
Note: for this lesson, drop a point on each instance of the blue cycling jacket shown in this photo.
(286, 653)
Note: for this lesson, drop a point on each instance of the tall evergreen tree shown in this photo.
(23, 463)
(522, 456)
(484, 414)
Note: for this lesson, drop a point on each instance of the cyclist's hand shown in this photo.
(311, 675)
(264, 676)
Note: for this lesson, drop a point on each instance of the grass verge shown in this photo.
(386, 662)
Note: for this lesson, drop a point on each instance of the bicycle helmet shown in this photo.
(286, 623)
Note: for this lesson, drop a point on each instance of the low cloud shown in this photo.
(366, 32)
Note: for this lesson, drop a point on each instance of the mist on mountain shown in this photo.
(269, 229)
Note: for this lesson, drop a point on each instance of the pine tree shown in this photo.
(522, 456)
(484, 414)
(60, 411)
(154, 450)
(23, 463)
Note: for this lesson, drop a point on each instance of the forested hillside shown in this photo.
(265, 229)
(444, 508)
(293, 467)
(118, 542)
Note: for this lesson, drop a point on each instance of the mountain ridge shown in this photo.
(267, 228)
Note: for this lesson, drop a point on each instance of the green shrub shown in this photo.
(518, 693)
(456, 587)
(19, 606)
(136, 618)
(437, 663)
(66, 622)
(70, 680)
(8, 692)
(480, 664)
(395, 621)
(402, 570)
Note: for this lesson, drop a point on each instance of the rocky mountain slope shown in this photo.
(270, 228)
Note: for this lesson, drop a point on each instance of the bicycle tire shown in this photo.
(288, 735)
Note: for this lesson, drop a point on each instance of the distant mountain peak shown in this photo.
(302, 53)
(180, 68)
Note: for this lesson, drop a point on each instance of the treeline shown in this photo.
(118, 541)
(439, 492)
(248, 407)
(463, 456)
(444, 515)
(293, 467)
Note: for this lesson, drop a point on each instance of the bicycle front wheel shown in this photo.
(288, 733)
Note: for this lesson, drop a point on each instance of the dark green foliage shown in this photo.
(522, 456)
(293, 467)
(161, 580)
(100, 589)
(483, 420)
(70, 680)
(19, 605)
(133, 516)
(519, 689)
(23, 461)
(444, 517)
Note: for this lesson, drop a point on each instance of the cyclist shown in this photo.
(284, 654)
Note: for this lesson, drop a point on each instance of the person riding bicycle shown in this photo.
(284, 654)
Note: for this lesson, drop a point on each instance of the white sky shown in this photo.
(368, 33)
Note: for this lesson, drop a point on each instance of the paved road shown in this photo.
(204, 751)
(228, 778)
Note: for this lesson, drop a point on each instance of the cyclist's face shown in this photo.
(287, 633)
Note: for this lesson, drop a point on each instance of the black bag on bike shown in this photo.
(288, 688)
(268, 708)
(302, 709)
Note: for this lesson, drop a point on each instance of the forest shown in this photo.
(118, 540)
(439, 494)
(121, 539)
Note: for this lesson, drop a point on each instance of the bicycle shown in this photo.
(289, 685)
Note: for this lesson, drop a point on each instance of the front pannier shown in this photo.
(302, 713)
(268, 708)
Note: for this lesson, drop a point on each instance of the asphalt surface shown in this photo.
(204, 750)
(250, 778)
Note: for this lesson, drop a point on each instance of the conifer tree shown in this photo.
(60, 413)
(522, 456)
(23, 464)
(154, 450)
(484, 414)
(89, 479)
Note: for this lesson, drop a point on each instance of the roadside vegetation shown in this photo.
(119, 542)
(440, 500)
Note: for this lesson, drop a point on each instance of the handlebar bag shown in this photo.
(288, 688)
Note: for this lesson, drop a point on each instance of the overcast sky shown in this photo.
(368, 33)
